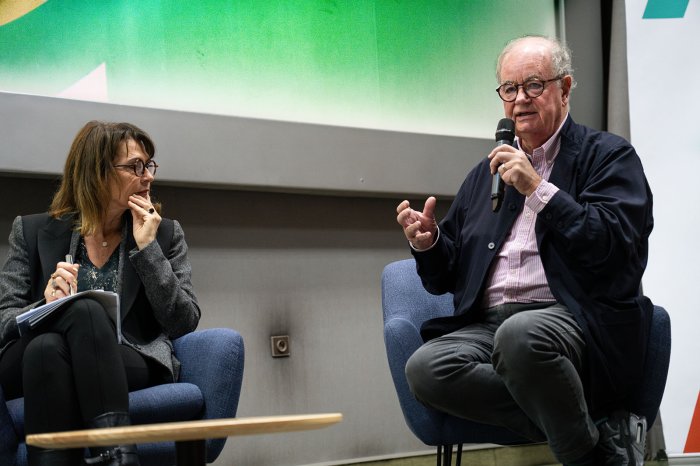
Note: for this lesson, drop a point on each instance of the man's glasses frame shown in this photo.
(533, 88)
(139, 167)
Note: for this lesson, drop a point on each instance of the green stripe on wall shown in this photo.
(420, 66)
(660, 9)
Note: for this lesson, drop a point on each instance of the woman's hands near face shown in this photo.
(145, 218)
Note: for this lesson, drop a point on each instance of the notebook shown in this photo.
(34, 317)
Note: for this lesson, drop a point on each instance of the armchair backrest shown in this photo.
(403, 295)
(647, 399)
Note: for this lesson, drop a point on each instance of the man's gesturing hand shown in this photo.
(420, 228)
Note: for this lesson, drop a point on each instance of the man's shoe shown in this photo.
(621, 441)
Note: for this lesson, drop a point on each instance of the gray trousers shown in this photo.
(517, 368)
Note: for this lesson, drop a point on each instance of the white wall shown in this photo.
(663, 69)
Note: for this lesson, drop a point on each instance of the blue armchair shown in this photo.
(406, 305)
(209, 388)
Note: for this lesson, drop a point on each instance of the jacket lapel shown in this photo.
(54, 243)
(513, 203)
(131, 283)
(564, 170)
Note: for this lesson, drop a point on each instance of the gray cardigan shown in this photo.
(154, 283)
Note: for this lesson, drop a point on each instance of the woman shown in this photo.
(71, 371)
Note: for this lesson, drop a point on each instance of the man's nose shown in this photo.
(521, 94)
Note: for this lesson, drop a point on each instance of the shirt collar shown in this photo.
(550, 148)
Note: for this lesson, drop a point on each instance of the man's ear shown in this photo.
(566, 88)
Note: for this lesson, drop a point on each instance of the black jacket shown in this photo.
(593, 241)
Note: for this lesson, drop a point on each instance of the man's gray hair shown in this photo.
(561, 57)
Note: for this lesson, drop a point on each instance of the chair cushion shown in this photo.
(162, 403)
(166, 403)
(16, 409)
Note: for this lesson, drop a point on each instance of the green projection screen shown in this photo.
(421, 66)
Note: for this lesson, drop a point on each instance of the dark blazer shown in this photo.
(592, 238)
(157, 302)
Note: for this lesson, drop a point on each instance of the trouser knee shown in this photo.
(88, 315)
(419, 375)
(513, 345)
(46, 352)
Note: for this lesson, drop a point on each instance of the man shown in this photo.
(549, 331)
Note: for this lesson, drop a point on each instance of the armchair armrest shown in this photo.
(213, 360)
(8, 436)
(402, 339)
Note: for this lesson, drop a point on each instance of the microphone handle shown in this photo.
(497, 189)
(498, 186)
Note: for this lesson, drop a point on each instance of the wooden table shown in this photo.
(189, 436)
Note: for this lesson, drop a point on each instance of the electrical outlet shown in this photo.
(280, 346)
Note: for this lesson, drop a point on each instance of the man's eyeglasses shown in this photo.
(533, 88)
(139, 167)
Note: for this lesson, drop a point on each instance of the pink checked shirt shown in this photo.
(517, 274)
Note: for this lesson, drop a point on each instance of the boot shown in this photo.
(45, 457)
(122, 455)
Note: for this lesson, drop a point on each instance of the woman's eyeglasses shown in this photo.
(139, 168)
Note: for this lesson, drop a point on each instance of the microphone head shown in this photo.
(505, 130)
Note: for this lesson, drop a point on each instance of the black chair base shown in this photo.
(444, 455)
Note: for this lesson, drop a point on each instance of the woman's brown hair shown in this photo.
(89, 168)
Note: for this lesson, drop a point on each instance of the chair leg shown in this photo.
(444, 455)
(447, 460)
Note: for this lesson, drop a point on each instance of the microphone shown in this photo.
(505, 134)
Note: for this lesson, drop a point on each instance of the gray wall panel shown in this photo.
(222, 151)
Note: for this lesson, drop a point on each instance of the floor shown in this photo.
(526, 455)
